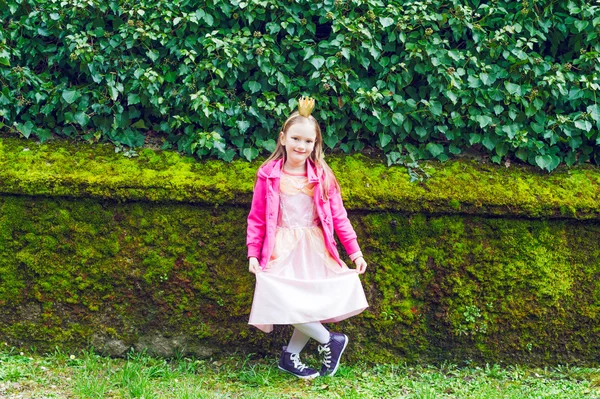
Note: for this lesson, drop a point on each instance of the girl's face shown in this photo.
(299, 142)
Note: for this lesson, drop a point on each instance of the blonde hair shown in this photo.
(317, 155)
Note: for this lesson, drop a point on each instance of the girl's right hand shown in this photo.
(253, 265)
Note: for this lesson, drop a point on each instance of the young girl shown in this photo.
(300, 278)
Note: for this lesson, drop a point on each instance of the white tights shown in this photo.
(303, 332)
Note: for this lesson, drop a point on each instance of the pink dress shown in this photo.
(302, 283)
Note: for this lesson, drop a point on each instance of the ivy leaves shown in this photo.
(417, 80)
(70, 96)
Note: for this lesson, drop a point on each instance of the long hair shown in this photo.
(317, 156)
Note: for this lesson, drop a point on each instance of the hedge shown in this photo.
(414, 80)
(98, 249)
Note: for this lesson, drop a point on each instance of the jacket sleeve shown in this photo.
(257, 219)
(341, 223)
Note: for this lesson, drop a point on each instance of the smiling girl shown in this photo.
(300, 278)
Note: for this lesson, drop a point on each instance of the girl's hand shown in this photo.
(253, 265)
(361, 265)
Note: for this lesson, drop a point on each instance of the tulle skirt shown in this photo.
(303, 283)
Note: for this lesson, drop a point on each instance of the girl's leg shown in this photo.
(331, 348)
(290, 356)
(314, 330)
(297, 342)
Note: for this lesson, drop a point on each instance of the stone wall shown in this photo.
(478, 262)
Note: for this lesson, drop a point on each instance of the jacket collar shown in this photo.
(311, 172)
(273, 170)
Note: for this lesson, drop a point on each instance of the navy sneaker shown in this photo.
(332, 352)
(291, 363)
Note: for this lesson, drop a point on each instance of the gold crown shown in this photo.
(306, 106)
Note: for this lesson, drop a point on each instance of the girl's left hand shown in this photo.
(361, 265)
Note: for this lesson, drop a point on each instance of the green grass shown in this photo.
(90, 376)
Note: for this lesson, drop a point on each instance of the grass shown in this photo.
(90, 376)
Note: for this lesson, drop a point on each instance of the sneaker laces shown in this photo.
(327, 358)
(295, 358)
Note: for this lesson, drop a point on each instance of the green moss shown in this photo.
(481, 288)
(454, 204)
(447, 278)
(466, 187)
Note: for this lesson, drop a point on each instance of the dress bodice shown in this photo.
(296, 205)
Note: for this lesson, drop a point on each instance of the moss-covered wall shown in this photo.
(457, 187)
(100, 266)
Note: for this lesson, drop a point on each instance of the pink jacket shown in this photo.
(262, 220)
